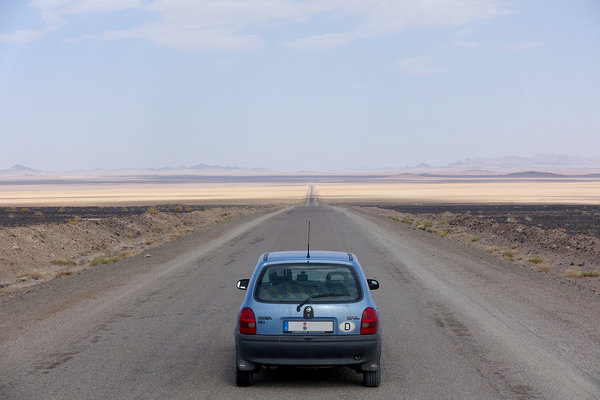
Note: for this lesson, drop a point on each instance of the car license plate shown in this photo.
(307, 326)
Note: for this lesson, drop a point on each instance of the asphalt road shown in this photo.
(457, 323)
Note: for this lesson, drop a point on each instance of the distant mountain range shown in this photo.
(513, 175)
(546, 162)
(21, 170)
(538, 166)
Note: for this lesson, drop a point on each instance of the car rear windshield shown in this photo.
(324, 283)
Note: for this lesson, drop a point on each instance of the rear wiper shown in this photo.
(314, 296)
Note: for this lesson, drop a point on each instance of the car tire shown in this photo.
(243, 378)
(371, 378)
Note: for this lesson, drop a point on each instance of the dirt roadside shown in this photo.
(39, 244)
(561, 241)
(45, 243)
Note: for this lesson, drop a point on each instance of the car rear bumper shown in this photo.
(310, 350)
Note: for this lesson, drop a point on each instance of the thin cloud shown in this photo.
(51, 22)
(384, 18)
(463, 32)
(191, 38)
(459, 40)
(418, 66)
(321, 42)
(24, 36)
(235, 24)
(525, 46)
(465, 44)
(53, 12)
(70, 7)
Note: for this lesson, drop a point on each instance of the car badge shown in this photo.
(309, 312)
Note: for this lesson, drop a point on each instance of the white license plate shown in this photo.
(308, 326)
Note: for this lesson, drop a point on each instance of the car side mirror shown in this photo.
(242, 284)
(373, 284)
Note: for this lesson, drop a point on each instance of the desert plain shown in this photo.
(584, 191)
(52, 229)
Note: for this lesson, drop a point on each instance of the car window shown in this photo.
(296, 282)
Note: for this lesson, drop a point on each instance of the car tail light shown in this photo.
(247, 322)
(369, 322)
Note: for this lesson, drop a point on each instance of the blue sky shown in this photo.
(295, 84)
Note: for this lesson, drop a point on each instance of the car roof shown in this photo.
(301, 256)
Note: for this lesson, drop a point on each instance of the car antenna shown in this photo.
(308, 246)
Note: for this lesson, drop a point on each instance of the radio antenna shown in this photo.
(308, 246)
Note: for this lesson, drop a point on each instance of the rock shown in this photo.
(15, 247)
(147, 256)
(3, 285)
(35, 277)
(581, 264)
(572, 263)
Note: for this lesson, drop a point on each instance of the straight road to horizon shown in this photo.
(457, 323)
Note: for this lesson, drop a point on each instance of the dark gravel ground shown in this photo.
(26, 216)
(571, 219)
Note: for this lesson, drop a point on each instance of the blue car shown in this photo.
(308, 309)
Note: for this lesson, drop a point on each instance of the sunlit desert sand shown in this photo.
(125, 194)
(571, 192)
(578, 192)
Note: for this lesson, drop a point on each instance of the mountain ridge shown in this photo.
(539, 165)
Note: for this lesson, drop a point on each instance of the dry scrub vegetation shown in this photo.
(554, 251)
(30, 254)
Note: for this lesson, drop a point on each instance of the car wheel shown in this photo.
(371, 378)
(243, 378)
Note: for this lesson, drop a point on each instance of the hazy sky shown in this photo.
(295, 84)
